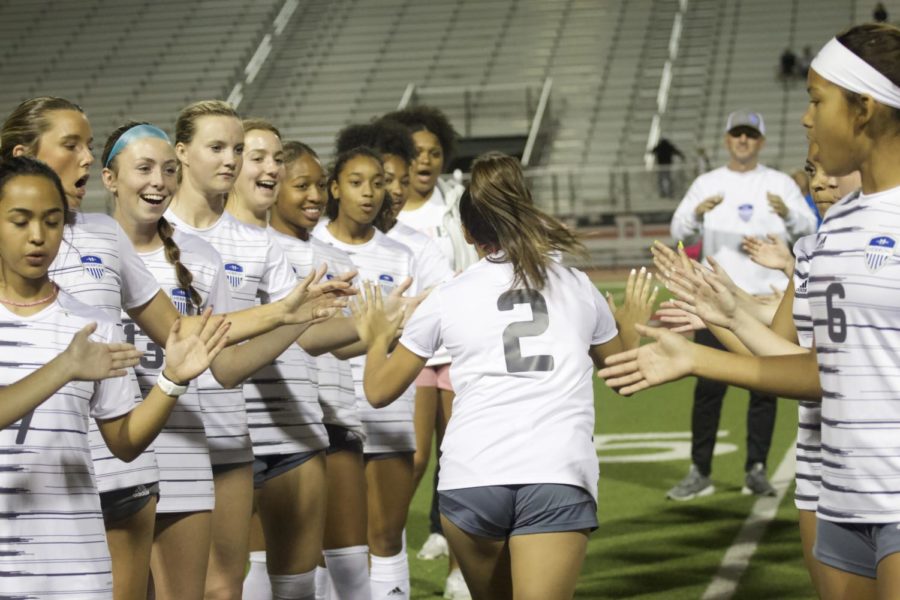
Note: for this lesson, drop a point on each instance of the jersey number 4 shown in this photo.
(540, 321)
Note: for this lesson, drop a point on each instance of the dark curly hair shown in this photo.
(428, 118)
(383, 136)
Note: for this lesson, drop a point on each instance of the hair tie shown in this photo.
(137, 132)
(839, 65)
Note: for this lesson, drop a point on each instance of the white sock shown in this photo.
(323, 584)
(349, 572)
(294, 587)
(390, 577)
(256, 583)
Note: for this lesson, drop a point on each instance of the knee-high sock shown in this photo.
(256, 583)
(323, 584)
(349, 571)
(390, 577)
(294, 587)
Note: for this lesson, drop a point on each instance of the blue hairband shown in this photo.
(135, 133)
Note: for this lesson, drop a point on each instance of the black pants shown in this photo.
(434, 515)
(708, 397)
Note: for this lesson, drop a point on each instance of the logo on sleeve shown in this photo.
(879, 250)
(180, 300)
(745, 212)
(234, 273)
(93, 266)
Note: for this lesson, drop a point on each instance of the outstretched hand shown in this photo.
(93, 361)
(702, 294)
(640, 297)
(373, 321)
(677, 319)
(313, 300)
(772, 252)
(189, 355)
(668, 358)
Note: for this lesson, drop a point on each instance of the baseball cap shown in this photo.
(746, 118)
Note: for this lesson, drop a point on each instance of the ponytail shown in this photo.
(173, 255)
(498, 212)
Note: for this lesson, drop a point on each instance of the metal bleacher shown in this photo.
(126, 59)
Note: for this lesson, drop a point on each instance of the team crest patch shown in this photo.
(234, 273)
(93, 266)
(745, 212)
(879, 250)
(180, 300)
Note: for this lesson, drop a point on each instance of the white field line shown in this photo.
(738, 555)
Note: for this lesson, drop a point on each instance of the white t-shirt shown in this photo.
(524, 406)
(255, 266)
(388, 263)
(854, 298)
(744, 211)
(99, 267)
(182, 452)
(429, 219)
(809, 421)
(54, 541)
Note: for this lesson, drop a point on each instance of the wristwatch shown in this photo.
(169, 387)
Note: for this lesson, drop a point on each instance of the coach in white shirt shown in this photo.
(742, 198)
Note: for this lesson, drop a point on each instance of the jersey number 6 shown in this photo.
(837, 319)
(540, 320)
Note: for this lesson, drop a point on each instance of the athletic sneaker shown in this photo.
(456, 588)
(434, 547)
(757, 483)
(692, 486)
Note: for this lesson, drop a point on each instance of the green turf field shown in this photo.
(649, 547)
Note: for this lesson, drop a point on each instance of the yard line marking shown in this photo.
(738, 555)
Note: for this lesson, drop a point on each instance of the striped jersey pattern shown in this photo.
(98, 266)
(854, 299)
(253, 266)
(185, 472)
(54, 542)
(387, 263)
(809, 422)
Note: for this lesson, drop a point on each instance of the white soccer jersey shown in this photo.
(388, 263)
(54, 542)
(282, 398)
(255, 266)
(182, 452)
(524, 406)
(337, 392)
(854, 298)
(809, 421)
(432, 268)
(744, 211)
(99, 267)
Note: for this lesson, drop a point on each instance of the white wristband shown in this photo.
(169, 387)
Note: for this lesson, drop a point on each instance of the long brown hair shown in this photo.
(25, 125)
(498, 212)
(163, 227)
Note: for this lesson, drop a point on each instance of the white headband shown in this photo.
(843, 68)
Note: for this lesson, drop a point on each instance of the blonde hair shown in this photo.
(499, 214)
(186, 123)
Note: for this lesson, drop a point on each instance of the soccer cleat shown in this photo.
(756, 482)
(694, 485)
(455, 588)
(434, 547)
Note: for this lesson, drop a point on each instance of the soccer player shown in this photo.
(854, 88)
(519, 471)
(55, 543)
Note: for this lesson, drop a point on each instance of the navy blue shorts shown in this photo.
(341, 439)
(501, 511)
(273, 465)
(121, 504)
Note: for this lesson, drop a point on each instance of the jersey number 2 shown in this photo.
(540, 320)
